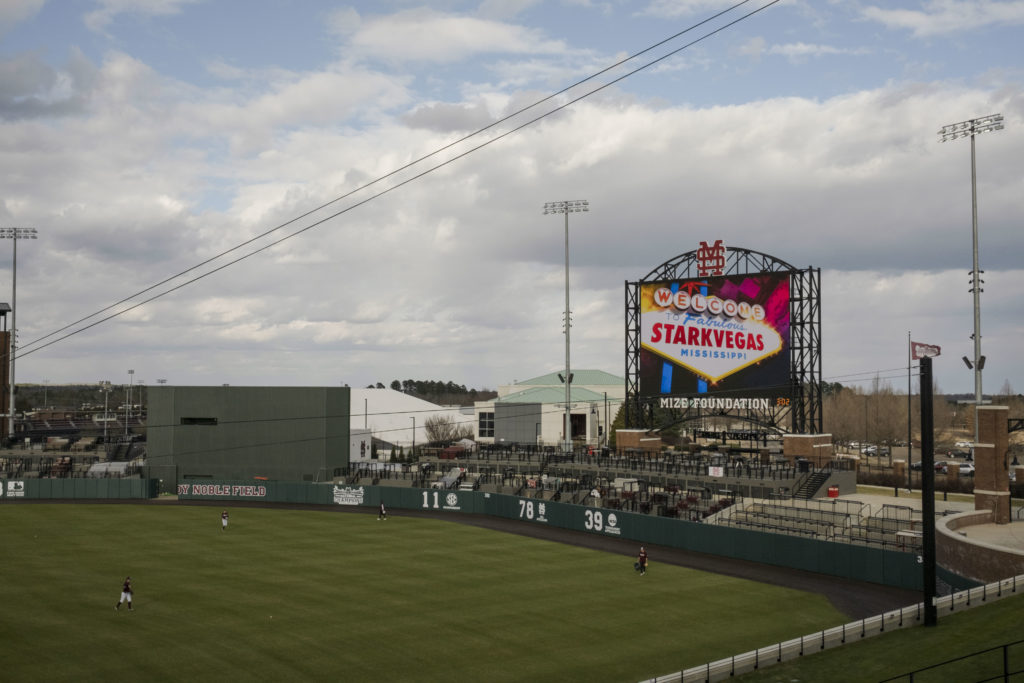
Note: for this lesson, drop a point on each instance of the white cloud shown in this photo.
(680, 8)
(458, 274)
(99, 19)
(795, 52)
(938, 17)
(13, 12)
(426, 35)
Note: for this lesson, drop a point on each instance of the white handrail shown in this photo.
(912, 615)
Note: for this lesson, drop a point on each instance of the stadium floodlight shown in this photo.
(14, 234)
(567, 207)
(954, 131)
(106, 389)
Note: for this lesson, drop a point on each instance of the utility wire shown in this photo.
(37, 343)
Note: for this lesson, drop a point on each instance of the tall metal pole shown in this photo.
(910, 417)
(568, 326)
(567, 207)
(14, 326)
(106, 414)
(975, 288)
(928, 553)
(128, 404)
(14, 234)
(971, 128)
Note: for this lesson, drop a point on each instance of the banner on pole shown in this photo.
(919, 350)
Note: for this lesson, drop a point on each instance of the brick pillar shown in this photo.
(992, 471)
(899, 470)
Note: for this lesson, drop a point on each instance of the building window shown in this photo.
(486, 427)
(206, 421)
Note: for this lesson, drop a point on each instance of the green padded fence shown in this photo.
(78, 488)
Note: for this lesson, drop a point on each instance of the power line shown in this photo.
(25, 350)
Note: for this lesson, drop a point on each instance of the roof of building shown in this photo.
(584, 377)
(551, 395)
(389, 414)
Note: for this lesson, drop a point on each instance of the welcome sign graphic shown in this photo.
(715, 334)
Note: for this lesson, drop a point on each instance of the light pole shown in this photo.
(566, 207)
(105, 388)
(14, 234)
(970, 128)
(128, 403)
(413, 435)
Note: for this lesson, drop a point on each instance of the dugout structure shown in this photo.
(725, 331)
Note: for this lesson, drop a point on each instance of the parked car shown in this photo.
(869, 450)
(940, 466)
(916, 466)
(967, 469)
(965, 444)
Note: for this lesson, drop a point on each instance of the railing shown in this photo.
(668, 463)
(60, 467)
(913, 615)
(1004, 665)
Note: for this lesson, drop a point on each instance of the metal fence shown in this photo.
(746, 662)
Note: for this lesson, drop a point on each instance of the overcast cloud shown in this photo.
(141, 142)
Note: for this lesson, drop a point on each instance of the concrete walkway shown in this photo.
(1004, 535)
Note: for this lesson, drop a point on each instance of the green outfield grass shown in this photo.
(956, 635)
(315, 595)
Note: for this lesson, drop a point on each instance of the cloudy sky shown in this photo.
(163, 149)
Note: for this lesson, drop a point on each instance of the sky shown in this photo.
(269, 193)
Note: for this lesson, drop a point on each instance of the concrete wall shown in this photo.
(239, 433)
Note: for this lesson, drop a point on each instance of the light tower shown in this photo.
(14, 234)
(970, 128)
(566, 207)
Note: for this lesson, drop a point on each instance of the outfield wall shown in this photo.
(78, 488)
(860, 563)
(855, 562)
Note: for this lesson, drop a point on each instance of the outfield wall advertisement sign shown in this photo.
(349, 495)
(222, 491)
(723, 337)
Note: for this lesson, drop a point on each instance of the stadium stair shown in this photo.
(809, 487)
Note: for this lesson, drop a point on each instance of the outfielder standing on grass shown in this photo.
(382, 514)
(642, 561)
(126, 594)
(224, 521)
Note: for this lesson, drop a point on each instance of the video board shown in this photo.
(727, 337)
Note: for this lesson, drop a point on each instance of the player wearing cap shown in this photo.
(126, 594)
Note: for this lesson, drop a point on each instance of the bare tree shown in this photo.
(442, 429)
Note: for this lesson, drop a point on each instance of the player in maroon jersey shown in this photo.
(126, 594)
(642, 560)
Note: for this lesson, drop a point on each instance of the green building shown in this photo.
(245, 433)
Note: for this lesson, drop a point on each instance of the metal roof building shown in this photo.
(533, 411)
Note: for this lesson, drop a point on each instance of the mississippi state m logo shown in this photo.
(711, 259)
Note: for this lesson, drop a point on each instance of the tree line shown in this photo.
(878, 414)
(437, 391)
